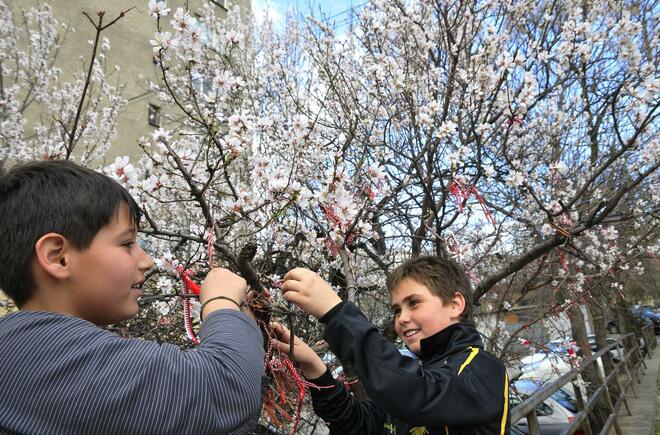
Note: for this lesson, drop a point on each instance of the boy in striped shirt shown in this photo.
(71, 262)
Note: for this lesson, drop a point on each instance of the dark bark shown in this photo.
(596, 307)
(599, 412)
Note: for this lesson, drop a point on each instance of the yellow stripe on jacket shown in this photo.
(506, 402)
(473, 352)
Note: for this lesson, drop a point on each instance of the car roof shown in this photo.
(527, 385)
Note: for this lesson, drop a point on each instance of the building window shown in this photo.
(202, 84)
(153, 117)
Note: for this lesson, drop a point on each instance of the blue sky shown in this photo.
(337, 11)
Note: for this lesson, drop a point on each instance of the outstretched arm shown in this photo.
(434, 396)
(332, 402)
(309, 362)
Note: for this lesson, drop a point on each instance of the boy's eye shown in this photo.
(128, 244)
(396, 311)
(413, 302)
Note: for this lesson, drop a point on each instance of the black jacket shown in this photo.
(456, 388)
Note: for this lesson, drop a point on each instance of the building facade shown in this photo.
(130, 50)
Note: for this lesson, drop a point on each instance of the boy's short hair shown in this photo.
(443, 277)
(51, 196)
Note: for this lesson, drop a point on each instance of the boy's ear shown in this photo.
(52, 252)
(457, 305)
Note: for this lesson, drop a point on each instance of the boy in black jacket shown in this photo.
(455, 388)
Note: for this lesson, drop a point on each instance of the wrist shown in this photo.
(218, 303)
(329, 308)
(314, 369)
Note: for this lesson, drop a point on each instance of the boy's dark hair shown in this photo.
(52, 196)
(443, 277)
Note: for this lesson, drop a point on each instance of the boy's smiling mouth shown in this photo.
(410, 332)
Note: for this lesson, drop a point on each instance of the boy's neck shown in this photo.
(35, 304)
(43, 300)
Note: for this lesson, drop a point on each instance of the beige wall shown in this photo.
(130, 50)
(3, 307)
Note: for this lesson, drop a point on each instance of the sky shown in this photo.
(337, 11)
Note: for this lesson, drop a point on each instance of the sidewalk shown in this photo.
(644, 419)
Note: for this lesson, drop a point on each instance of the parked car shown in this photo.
(564, 395)
(644, 313)
(544, 365)
(561, 346)
(649, 315)
(552, 416)
(553, 361)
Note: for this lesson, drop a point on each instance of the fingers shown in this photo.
(252, 293)
(280, 331)
(310, 363)
(282, 346)
(282, 341)
(293, 296)
(292, 285)
(296, 285)
(309, 291)
(293, 290)
(295, 274)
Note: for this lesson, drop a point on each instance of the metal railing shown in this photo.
(627, 368)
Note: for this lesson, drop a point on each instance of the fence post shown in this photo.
(586, 425)
(608, 398)
(533, 423)
(631, 361)
(627, 362)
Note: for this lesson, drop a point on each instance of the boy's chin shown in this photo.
(414, 348)
(119, 317)
(130, 315)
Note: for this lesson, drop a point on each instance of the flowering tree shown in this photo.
(516, 137)
(42, 115)
(519, 138)
(510, 137)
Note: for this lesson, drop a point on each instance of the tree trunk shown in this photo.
(629, 323)
(596, 308)
(590, 374)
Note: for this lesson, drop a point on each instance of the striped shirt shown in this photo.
(64, 375)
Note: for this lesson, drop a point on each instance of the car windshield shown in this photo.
(557, 346)
(527, 387)
(565, 400)
(542, 409)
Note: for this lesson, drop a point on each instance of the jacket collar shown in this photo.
(454, 338)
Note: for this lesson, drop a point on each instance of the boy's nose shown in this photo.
(146, 262)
